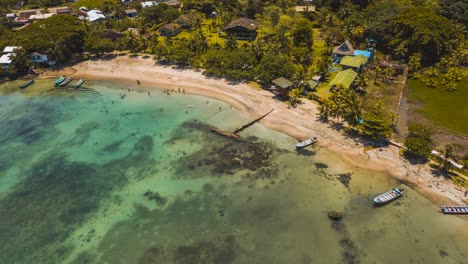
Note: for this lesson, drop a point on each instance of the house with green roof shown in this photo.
(345, 78)
(356, 63)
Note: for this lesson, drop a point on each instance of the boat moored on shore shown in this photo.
(79, 83)
(26, 84)
(387, 197)
(306, 143)
(66, 81)
(454, 209)
(60, 80)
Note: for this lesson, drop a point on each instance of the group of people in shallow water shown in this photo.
(168, 92)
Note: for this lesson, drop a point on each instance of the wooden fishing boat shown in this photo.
(79, 83)
(387, 197)
(66, 81)
(306, 142)
(454, 209)
(60, 80)
(26, 84)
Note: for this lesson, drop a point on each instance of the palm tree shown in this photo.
(352, 110)
(231, 42)
(131, 41)
(339, 102)
(256, 48)
(362, 80)
(400, 51)
(325, 110)
(447, 155)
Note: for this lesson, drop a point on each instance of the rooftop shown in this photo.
(9, 49)
(95, 15)
(304, 8)
(353, 61)
(6, 58)
(149, 4)
(344, 49)
(130, 11)
(364, 53)
(243, 22)
(282, 82)
(346, 78)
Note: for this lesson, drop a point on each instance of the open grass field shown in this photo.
(388, 93)
(443, 108)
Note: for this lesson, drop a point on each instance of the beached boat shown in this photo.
(454, 209)
(306, 142)
(387, 197)
(79, 83)
(26, 84)
(60, 80)
(66, 81)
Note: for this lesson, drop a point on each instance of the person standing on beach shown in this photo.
(138, 82)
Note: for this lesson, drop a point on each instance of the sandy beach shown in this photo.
(299, 122)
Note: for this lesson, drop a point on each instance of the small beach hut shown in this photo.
(282, 86)
(310, 86)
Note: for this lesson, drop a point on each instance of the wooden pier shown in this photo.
(234, 134)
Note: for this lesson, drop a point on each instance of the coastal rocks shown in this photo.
(345, 179)
(320, 166)
(222, 204)
(150, 256)
(335, 215)
(160, 200)
(207, 252)
(223, 156)
(350, 251)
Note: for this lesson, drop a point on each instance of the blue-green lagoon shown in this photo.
(104, 175)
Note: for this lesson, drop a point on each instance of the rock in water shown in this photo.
(335, 215)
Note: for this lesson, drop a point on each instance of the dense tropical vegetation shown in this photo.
(429, 36)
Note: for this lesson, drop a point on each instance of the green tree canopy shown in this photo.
(423, 31)
(273, 66)
(376, 123)
(63, 34)
(302, 33)
(419, 140)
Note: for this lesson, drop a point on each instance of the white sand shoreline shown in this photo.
(299, 122)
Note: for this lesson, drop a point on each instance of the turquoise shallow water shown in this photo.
(89, 177)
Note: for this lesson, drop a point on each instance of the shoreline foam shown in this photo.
(299, 122)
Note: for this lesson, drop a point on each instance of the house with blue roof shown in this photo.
(366, 53)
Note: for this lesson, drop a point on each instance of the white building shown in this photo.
(7, 57)
(149, 4)
(9, 49)
(38, 57)
(95, 16)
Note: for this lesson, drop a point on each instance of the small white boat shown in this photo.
(79, 83)
(66, 81)
(306, 142)
(387, 197)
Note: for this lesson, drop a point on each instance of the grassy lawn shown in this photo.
(319, 43)
(388, 93)
(444, 108)
(323, 90)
